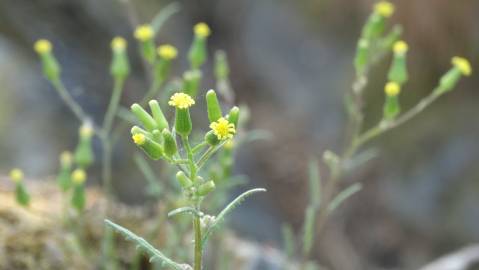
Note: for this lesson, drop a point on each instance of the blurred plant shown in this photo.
(373, 46)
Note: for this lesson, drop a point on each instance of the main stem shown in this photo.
(196, 220)
(198, 253)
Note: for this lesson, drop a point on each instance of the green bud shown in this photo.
(233, 115)
(157, 136)
(387, 42)
(183, 123)
(191, 82)
(197, 53)
(398, 70)
(148, 50)
(78, 197)
(162, 69)
(145, 118)
(374, 27)
(362, 56)
(391, 107)
(449, 80)
(84, 156)
(158, 115)
(51, 68)
(120, 66)
(211, 138)
(222, 69)
(21, 194)
(153, 149)
(135, 129)
(169, 143)
(206, 188)
(213, 106)
(184, 181)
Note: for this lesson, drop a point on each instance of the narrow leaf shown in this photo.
(230, 207)
(308, 229)
(150, 250)
(163, 15)
(343, 195)
(186, 209)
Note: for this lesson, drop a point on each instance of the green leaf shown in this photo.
(288, 240)
(230, 207)
(343, 195)
(308, 229)
(314, 183)
(152, 252)
(186, 209)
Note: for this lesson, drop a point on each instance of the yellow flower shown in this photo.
(463, 65)
(400, 47)
(181, 101)
(42, 46)
(118, 44)
(139, 139)
(66, 158)
(384, 8)
(86, 130)
(223, 129)
(167, 52)
(202, 30)
(78, 176)
(16, 175)
(144, 32)
(392, 89)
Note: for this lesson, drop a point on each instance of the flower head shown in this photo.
(66, 158)
(400, 47)
(167, 52)
(42, 46)
(86, 130)
(392, 89)
(202, 30)
(463, 65)
(384, 8)
(144, 32)
(16, 175)
(118, 44)
(181, 101)
(138, 138)
(78, 176)
(223, 129)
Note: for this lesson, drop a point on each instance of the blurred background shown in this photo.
(291, 63)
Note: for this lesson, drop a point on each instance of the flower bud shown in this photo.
(191, 82)
(198, 53)
(461, 67)
(145, 118)
(398, 70)
(16, 175)
(169, 143)
(51, 68)
(184, 181)
(120, 67)
(145, 34)
(183, 124)
(153, 149)
(84, 156)
(391, 106)
(206, 188)
(158, 115)
(211, 138)
(362, 56)
(213, 106)
(233, 116)
(222, 69)
(64, 176)
(78, 199)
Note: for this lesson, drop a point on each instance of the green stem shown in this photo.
(112, 106)
(189, 153)
(198, 253)
(199, 146)
(68, 99)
